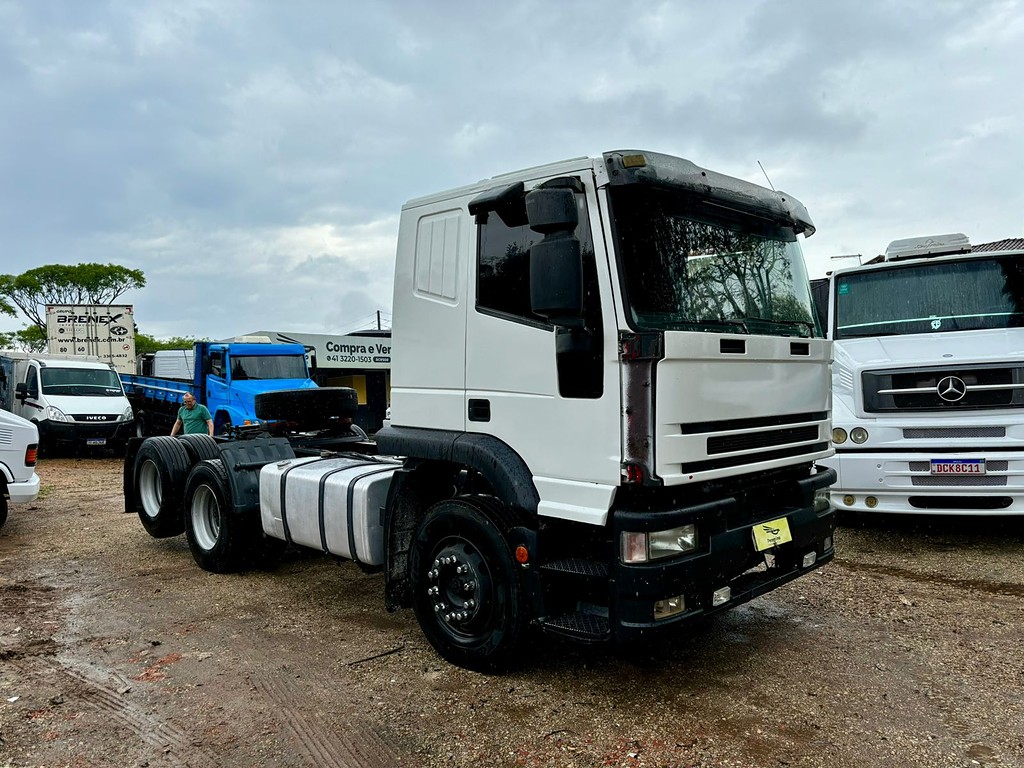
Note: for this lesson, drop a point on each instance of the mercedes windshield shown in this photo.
(931, 297)
(690, 265)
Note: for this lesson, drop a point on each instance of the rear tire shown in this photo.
(3, 510)
(199, 448)
(221, 540)
(161, 467)
(140, 425)
(466, 587)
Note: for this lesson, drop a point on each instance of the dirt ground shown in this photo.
(117, 650)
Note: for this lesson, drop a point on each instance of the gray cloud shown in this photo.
(252, 157)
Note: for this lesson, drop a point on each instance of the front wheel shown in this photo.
(467, 593)
(3, 510)
(218, 537)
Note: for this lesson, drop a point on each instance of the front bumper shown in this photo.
(26, 490)
(727, 558)
(902, 483)
(85, 433)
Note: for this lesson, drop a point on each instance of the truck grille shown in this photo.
(951, 433)
(753, 440)
(93, 418)
(974, 387)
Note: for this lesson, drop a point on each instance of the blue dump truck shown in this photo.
(223, 376)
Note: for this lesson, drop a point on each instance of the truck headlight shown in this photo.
(127, 414)
(859, 435)
(838, 435)
(55, 414)
(640, 547)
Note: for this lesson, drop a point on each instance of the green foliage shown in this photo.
(29, 339)
(145, 343)
(31, 291)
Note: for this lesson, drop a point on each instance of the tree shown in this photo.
(28, 339)
(145, 343)
(33, 290)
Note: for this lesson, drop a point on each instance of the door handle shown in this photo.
(479, 410)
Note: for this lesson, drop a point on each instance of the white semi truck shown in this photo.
(928, 380)
(619, 434)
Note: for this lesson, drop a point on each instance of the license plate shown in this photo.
(958, 466)
(96, 441)
(771, 534)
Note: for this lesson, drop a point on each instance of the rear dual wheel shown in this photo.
(161, 467)
(221, 538)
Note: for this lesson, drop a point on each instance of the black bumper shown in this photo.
(726, 557)
(82, 433)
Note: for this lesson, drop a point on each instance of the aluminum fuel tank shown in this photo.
(331, 504)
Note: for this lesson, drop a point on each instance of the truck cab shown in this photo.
(928, 385)
(622, 351)
(230, 376)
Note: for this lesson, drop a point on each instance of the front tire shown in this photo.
(218, 537)
(161, 467)
(467, 592)
(3, 510)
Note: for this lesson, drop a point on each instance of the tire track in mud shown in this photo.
(169, 743)
(1000, 588)
(358, 745)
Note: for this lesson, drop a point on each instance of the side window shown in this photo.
(503, 266)
(217, 364)
(32, 382)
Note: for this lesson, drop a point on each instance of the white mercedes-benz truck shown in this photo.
(928, 380)
(609, 401)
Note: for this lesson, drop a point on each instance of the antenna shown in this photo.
(765, 175)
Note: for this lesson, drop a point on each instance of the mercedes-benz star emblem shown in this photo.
(951, 389)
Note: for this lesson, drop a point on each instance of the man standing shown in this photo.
(194, 417)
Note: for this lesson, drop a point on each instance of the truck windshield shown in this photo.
(932, 297)
(690, 266)
(268, 367)
(81, 382)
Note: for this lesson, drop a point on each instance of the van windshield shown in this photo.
(81, 382)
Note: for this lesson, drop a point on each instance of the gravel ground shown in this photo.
(116, 650)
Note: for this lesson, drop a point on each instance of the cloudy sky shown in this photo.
(251, 156)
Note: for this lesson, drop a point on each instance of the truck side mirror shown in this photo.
(556, 262)
(21, 390)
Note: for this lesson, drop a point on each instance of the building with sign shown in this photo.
(360, 360)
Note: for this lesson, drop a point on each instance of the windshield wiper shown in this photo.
(798, 323)
(714, 322)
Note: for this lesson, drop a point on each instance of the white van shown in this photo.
(71, 400)
(19, 442)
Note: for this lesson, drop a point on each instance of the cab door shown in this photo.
(561, 417)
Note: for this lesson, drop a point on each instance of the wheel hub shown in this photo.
(456, 584)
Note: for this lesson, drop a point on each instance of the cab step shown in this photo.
(577, 566)
(578, 626)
